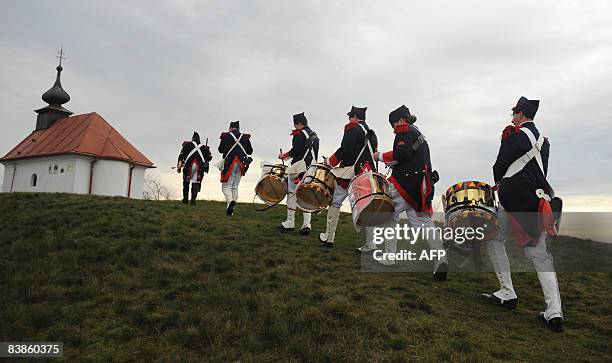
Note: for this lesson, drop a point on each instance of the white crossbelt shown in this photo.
(535, 152)
(312, 153)
(366, 144)
(196, 149)
(236, 142)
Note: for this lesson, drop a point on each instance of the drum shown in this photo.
(316, 189)
(370, 200)
(471, 204)
(272, 186)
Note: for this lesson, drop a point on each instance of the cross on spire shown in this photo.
(61, 55)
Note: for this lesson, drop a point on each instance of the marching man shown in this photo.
(193, 161)
(412, 180)
(524, 194)
(355, 155)
(236, 148)
(304, 151)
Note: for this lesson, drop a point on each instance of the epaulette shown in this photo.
(246, 136)
(223, 134)
(295, 132)
(510, 130)
(186, 142)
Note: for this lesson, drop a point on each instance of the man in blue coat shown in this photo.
(412, 180)
(193, 161)
(356, 152)
(524, 195)
(304, 147)
(236, 148)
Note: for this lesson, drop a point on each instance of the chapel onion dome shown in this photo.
(56, 96)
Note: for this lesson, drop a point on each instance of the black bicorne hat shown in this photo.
(399, 113)
(235, 125)
(195, 137)
(529, 108)
(360, 113)
(300, 118)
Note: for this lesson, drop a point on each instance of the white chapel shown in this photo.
(69, 153)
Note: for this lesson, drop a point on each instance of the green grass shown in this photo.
(117, 279)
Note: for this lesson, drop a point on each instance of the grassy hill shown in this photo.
(118, 279)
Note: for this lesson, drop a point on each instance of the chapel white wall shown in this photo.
(138, 175)
(53, 174)
(110, 178)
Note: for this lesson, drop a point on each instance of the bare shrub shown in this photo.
(154, 189)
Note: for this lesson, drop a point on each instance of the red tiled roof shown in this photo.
(88, 134)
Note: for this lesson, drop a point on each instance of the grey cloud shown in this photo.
(159, 70)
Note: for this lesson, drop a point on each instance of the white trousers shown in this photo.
(230, 187)
(339, 196)
(424, 221)
(539, 256)
(292, 206)
(194, 173)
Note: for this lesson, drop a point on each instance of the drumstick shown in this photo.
(281, 151)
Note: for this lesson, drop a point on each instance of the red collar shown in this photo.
(511, 130)
(350, 125)
(401, 129)
(295, 132)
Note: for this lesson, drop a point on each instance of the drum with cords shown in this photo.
(316, 189)
(371, 203)
(471, 204)
(272, 186)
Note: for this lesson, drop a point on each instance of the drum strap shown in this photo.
(311, 178)
(196, 149)
(520, 163)
(364, 197)
(266, 207)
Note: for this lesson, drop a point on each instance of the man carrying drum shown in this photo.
(304, 151)
(193, 162)
(525, 209)
(354, 156)
(412, 180)
(236, 148)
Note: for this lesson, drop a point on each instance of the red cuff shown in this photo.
(333, 160)
(387, 157)
(285, 155)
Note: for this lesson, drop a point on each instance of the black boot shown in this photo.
(195, 188)
(554, 324)
(508, 304)
(441, 272)
(230, 208)
(185, 192)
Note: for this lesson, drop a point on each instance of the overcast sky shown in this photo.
(157, 71)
